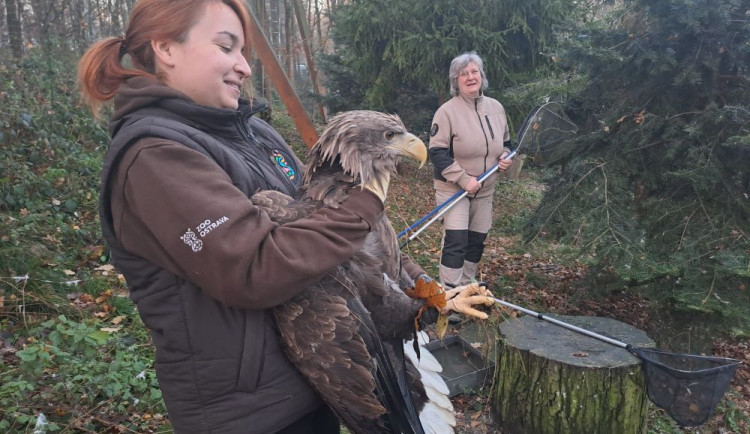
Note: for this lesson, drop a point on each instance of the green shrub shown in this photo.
(82, 369)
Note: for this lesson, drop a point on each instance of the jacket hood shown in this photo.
(143, 92)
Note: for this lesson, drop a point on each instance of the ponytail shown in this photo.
(100, 71)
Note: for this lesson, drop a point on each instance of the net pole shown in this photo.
(430, 214)
(562, 324)
(447, 205)
(449, 202)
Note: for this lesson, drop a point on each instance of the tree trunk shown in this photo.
(42, 12)
(262, 16)
(550, 380)
(514, 171)
(288, 39)
(13, 20)
(307, 37)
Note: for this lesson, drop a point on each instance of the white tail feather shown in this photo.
(436, 420)
(423, 337)
(434, 380)
(426, 361)
(438, 398)
(409, 352)
(437, 415)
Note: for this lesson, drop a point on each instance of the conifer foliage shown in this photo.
(394, 54)
(656, 189)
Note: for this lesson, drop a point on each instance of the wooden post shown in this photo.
(550, 380)
(283, 87)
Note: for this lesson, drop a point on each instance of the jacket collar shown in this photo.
(470, 99)
(140, 93)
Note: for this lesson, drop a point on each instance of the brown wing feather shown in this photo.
(318, 331)
(325, 339)
(282, 208)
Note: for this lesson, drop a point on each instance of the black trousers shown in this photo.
(319, 421)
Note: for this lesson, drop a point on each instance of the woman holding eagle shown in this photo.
(208, 269)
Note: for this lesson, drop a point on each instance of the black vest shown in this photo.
(255, 389)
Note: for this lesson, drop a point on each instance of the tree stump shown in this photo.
(514, 171)
(551, 380)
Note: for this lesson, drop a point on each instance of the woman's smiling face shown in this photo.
(470, 80)
(209, 66)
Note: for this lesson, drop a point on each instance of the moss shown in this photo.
(536, 395)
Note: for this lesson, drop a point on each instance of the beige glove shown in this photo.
(463, 299)
(379, 186)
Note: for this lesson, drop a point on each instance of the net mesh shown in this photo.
(688, 387)
(545, 134)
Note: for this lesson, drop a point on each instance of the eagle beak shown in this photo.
(411, 146)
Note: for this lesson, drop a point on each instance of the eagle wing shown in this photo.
(345, 333)
(329, 336)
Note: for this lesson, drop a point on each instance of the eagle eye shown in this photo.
(389, 135)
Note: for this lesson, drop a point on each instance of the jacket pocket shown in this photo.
(489, 125)
(253, 353)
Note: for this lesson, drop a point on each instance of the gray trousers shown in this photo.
(465, 228)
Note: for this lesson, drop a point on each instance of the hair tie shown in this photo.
(123, 46)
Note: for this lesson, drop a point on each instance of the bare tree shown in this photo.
(13, 20)
(289, 41)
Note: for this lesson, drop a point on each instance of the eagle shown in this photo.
(346, 332)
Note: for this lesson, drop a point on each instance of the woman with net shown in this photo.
(469, 136)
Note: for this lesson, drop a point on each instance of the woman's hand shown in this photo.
(473, 186)
(504, 164)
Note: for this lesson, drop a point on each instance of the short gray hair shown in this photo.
(460, 62)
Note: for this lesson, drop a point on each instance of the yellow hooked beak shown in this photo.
(411, 146)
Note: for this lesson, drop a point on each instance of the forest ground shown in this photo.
(103, 354)
(551, 278)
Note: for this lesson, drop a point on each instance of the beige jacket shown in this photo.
(467, 139)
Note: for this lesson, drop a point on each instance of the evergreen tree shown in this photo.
(398, 52)
(656, 188)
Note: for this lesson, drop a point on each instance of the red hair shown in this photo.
(100, 70)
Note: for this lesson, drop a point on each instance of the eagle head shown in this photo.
(365, 144)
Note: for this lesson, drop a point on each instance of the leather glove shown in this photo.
(463, 299)
(379, 186)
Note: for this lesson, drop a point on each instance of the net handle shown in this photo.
(564, 324)
(636, 351)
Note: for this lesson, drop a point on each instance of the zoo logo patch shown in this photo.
(204, 228)
(434, 130)
(283, 165)
(191, 240)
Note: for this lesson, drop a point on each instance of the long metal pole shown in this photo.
(563, 324)
(447, 205)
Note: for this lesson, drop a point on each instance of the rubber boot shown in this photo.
(450, 277)
(469, 272)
